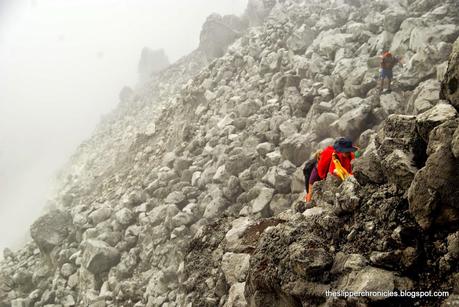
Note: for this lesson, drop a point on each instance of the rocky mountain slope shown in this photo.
(188, 193)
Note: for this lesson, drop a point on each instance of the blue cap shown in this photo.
(344, 145)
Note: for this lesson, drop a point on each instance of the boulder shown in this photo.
(368, 168)
(237, 163)
(352, 123)
(433, 197)
(98, 256)
(236, 297)
(369, 279)
(424, 97)
(264, 148)
(306, 261)
(234, 237)
(125, 216)
(296, 148)
(300, 39)
(279, 203)
(398, 168)
(261, 203)
(278, 178)
(50, 230)
(100, 214)
(437, 115)
(235, 267)
(247, 108)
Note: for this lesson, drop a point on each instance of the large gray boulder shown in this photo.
(437, 115)
(369, 279)
(51, 230)
(424, 97)
(296, 148)
(98, 256)
(300, 39)
(433, 196)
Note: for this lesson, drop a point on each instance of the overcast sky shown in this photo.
(62, 65)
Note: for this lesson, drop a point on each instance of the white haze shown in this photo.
(62, 65)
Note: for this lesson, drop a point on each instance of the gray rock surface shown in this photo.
(189, 192)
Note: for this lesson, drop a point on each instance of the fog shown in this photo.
(62, 65)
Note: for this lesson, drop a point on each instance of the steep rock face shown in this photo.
(450, 85)
(177, 189)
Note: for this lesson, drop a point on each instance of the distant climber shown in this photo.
(310, 174)
(388, 61)
(342, 152)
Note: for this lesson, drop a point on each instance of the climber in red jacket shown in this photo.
(344, 150)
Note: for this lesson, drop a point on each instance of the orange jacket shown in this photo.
(325, 164)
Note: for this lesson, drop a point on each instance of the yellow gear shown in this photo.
(339, 171)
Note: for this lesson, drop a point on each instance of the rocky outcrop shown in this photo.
(218, 32)
(450, 85)
(188, 193)
(151, 62)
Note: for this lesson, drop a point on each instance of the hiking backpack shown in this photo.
(307, 170)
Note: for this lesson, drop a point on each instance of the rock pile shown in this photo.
(187, 194)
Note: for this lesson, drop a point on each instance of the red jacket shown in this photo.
(325, 164)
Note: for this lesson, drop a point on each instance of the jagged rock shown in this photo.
(424, 97)
(237, 163)
(369, 279)
(392, 103)
(100, 215)
(300, 39)
(348, 262)
(437, 115)
(279, 178)
(279, 204)
(67, 269)
(368, 168)
(223, 133)
(348, 199)
(235, 267)
(296, 148)
(215, 208)
(261, 203)
(98, 256)
(265, 148)
(323, 122)
(450, 85)
(233, 236)
(352, 122)
(236, 296)
(50, 230)
(124, 216)
(393, 19)
(431, 195)
(398, 168)
(248, 108)
(176, 198)
(307, 261)
(218, 33)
